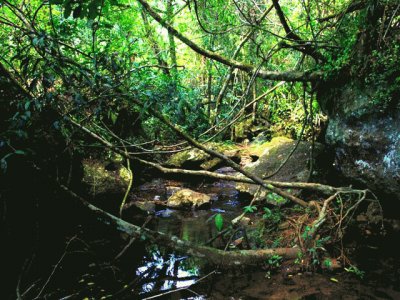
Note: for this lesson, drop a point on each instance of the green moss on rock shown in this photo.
(198, 159)
(101, 181)
(271, 155)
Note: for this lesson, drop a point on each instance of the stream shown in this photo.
(90, 269)
(165, 275)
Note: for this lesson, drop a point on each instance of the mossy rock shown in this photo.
(102, 181)
(197, 159)
(241, 129)
(271, 155)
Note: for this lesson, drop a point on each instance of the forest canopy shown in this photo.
(200, 62)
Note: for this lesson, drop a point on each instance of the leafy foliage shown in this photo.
(249, 209)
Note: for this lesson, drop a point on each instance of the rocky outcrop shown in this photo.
(365, 135)
(188, 198)
(363, 106)
(271, 155)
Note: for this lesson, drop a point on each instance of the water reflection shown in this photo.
(167, 272)
(163, 275)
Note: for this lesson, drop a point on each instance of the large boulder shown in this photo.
(365, 136)
(363, 106)
(197, 159)
(271, 155)
(188, 198)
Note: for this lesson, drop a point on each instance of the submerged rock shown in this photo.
(188, 198)
(271, 155)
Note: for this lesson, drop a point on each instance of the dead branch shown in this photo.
(224, 158)
(325, 189)
(224, 259)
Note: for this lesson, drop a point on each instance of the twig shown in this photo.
(132, 240)
(128, 189)
(55, 267)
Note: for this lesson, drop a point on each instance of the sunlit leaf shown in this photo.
(219, 222)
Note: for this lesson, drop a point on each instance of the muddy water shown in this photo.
(165, 275)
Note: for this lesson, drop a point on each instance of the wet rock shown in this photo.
(271, 155)
(188, 198)
(136, 210)
(170, 190)
(147, 206)
(248, 129)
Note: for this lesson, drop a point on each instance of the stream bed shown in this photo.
(91, 265)
(165, 275)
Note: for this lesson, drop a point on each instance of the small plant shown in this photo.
(308, 233)
(249, 209)
(274, 261)
(320, 243)
(327, 263)
(299, 258)
(356, 271)
(314, 256)
(267, 213)
(272, 215)
(277, 242)
(219, 221)
(275, 198)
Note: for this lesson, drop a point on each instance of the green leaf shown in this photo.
(219, 221)
(113, 117)
(20, 152)
(249, 209)
(267, 213)
(327, 263)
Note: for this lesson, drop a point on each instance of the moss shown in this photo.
(272, 154)
(258, 150)
(124, 174)
(102, 181)
(242, 128)
(198, 156)
(210, 164)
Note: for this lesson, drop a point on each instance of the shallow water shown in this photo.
(180, 277)
(89, 269)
